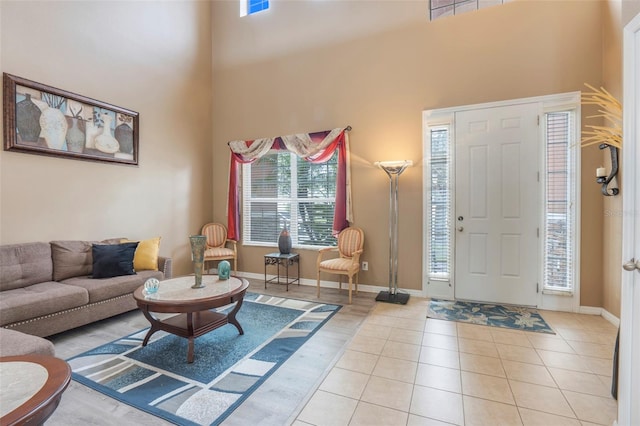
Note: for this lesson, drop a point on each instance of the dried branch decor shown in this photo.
(611, 111)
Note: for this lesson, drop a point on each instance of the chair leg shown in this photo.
(350, 282)
(356, 283)
(235, 265)
(318, 284)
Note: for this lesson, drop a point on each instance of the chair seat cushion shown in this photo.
(39, 299)
(339, 264)
(218, 252)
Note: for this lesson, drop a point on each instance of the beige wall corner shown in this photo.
(612, 212)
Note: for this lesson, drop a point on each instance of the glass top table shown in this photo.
(193, 306)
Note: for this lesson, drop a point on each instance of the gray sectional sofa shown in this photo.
(47, 288)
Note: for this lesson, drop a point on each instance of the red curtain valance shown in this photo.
(315, 147)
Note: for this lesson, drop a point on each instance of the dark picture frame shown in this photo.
(44, 120)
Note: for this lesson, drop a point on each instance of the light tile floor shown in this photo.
(384, 364)
(401, 368)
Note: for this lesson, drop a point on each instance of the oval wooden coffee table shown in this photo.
(193, 306)
(31, 387)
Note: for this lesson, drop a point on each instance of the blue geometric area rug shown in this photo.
(227, 367)
(505, 316)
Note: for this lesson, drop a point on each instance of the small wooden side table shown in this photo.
(285, 260)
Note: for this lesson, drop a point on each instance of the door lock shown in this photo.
(460, 228)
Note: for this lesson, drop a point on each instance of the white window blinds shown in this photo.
(559, 232)
(439, 219)
(282, 189)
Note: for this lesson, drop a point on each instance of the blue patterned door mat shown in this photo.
(505, 316)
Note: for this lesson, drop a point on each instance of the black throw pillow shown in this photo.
(113, 260)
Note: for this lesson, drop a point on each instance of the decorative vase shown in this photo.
(75, 137)
(124, 135)
(151, 286)
(224, 270)
(54, 127)
(284, 241)
(92, 131)
(28, 119)
(105, 142)
(198, 246)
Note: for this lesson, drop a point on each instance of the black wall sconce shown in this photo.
(606, 180)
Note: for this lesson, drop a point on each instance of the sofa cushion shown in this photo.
(24, 264)
(39, 299)
(113, 260)
(71, 259)
(106, 288)
(146, 257)
(13, 343)
(74, 258)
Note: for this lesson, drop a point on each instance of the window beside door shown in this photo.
(559, 212)
(559, 237)
(440, 205)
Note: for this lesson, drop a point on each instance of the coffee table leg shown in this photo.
(153, 329)
(190, 351)
(190, 331)
(231, 318)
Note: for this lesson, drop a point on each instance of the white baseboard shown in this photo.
(610, 317)
(589, 310)
(592, 310)
(334, 284)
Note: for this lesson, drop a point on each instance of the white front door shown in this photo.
(629, 364)
(497, 204)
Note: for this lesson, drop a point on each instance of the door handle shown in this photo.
(631, 265)
(460, 228)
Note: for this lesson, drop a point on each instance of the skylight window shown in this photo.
(249, 7)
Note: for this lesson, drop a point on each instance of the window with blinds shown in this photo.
(440, 214)
(559, 232)
(282, 189)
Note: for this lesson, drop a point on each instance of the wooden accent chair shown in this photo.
(350, 247)
(217, 249)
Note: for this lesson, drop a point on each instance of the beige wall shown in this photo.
(616, 14)
(612, 230)
(379, 81)
(151, 57)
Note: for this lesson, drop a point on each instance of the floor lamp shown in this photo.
(393, 169)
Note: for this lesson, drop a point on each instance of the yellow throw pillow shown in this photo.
(146, 256)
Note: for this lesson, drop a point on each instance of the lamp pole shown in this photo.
(393, 169)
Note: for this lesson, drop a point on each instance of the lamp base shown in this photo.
(398, 298)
